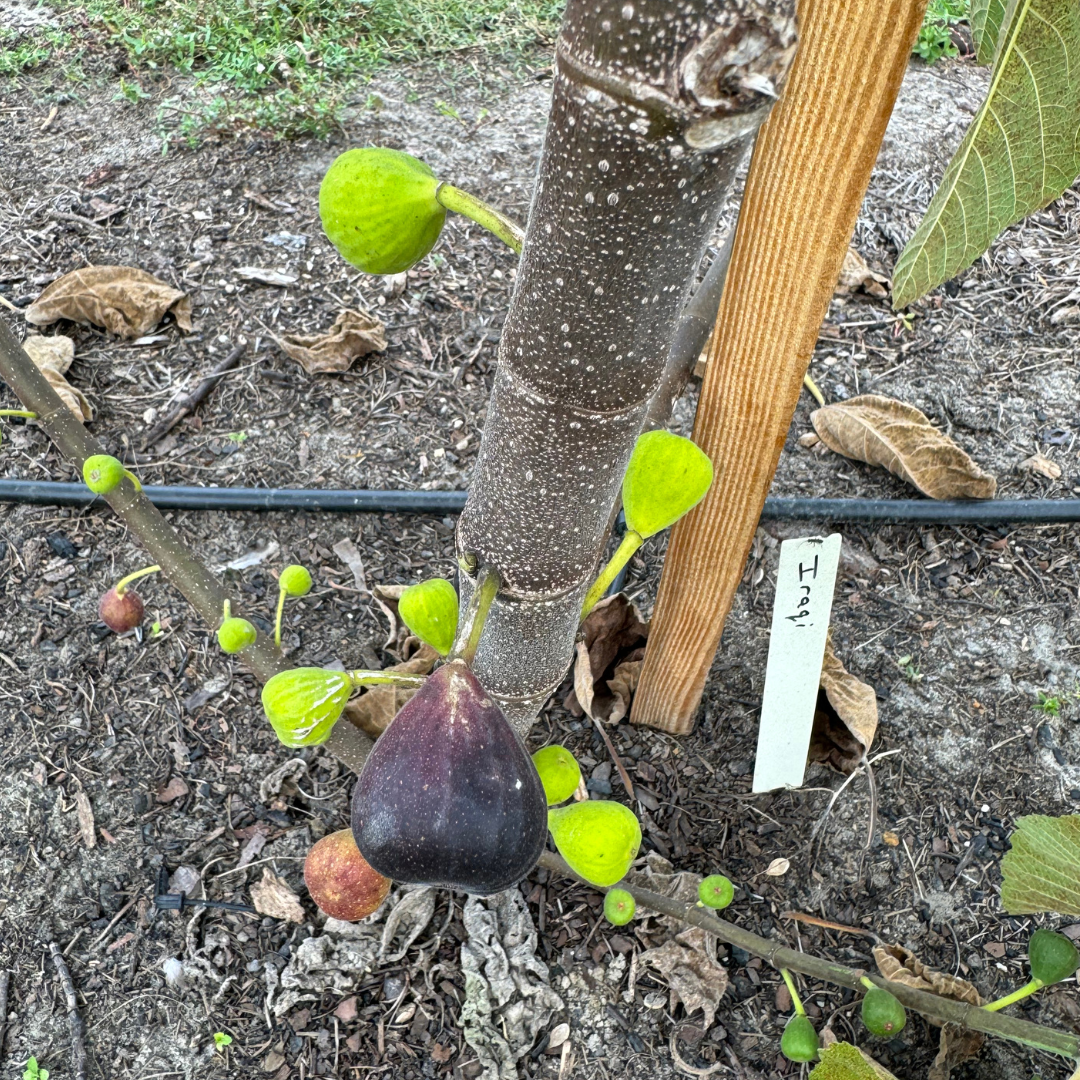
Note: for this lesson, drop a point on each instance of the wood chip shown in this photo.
(85, 813)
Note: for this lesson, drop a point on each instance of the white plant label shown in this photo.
(804, 594)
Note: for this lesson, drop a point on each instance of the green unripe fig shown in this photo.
(378, 208)
(598, 839)
(799, 1041)
(1052, 956)
(716, 891)
(295, 580)
(102, 473)
(882, 1013)
(430, 611)
(234, 635)
(619, 907)
(667, 476)
(304, 704)
(559, 773)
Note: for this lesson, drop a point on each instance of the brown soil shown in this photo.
(988, 616)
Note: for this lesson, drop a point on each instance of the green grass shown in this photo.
(934, 41)
(270, 64)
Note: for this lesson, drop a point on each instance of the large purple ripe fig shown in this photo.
(449, 795)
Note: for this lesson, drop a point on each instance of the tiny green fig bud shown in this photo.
(102, 473)
(234, 635)
(882, 1013)
(667, 476)
(378, 208)
(430, 610)
(304, 704)
(559, 773)
(716, 891)
(598, 839)
(295, 580)
(619, 907)
(799, 1041)
(1052, 956)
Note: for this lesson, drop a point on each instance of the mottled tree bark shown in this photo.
(654, 105)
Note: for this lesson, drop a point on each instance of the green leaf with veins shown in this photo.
(986, 18)
(667, 476)
(1042, 870)
(842, 1061)
(1021, 151)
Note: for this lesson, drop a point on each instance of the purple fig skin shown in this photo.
(121, 613)
(449, 796)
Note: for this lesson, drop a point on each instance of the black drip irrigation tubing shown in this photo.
(992, 512)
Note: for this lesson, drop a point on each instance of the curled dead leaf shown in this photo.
(778, 867)
(610, 653)
(856, 274)
(956, 1044)
(272, 896)
(846, 718)
(897, 436)
(126, 301)
(1042, 465)
(52, 356)
(354, 333)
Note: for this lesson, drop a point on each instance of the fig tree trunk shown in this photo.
(654, 104)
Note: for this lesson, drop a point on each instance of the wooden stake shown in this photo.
(810, 170)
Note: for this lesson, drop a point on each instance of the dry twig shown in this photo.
(75, 1021)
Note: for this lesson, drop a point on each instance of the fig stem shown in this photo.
(1017, 995)
(958, 1012)
(26, 414)
(277, 618)
(485, 215)
(134, 479)
(795, 999)
(472, 626)
(123, 583)
(372, 678)
(813, 388)
(629, 544)
(226, 610)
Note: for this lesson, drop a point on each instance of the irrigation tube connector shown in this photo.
(991, 512)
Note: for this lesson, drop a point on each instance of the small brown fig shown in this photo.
(122, 611)
(340, 880)
(449, 795)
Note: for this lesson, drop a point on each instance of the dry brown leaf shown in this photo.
(956, 1044)
(1041, 464)
(855, 274)
(85, 814)
(272, 896)
(387, 596)
(354, 333)
(609, 657)
(897, 436)
(173, 790)
(692, 977)
(778, 867)
(127, 301)
(846, 718)
(52, 356)
(377, 706)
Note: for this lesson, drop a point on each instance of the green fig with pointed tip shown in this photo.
(667, 476)
(295, 580)
(1052, 956)
(619, 907)
(303, 704)
(430, 610)
(598, 839)
(882, 1013)
(234, 635)
(378, 208)
(800, 1041)
(559, 772)
(102, 473)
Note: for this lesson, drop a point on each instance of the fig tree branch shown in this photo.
(146, 523)
(779, 956)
